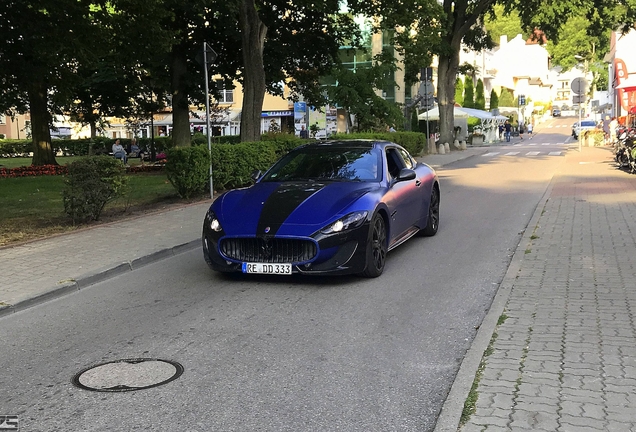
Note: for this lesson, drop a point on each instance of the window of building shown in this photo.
(3, 119)
(225, 95)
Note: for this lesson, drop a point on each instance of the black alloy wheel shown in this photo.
(376, 248)
(432, 224)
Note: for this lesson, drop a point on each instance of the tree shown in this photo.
(480, 98)
(131, 43)
(43, 42)
(469, 92)
(463, 24)
(499, 23)
(459, 91)
(295, 43)
(357, 93)
(506, 99)
(494, 99)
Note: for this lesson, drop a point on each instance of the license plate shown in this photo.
(260, 268)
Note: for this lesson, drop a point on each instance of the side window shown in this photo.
(394, 162)
(408, 161)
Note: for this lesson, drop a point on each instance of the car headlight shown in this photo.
(352, 220)
(213, 221)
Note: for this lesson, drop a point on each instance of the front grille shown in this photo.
(275, 250)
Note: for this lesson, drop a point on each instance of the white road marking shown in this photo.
(491, 154)
(533, 153)
(545, 143)
(512, 153)
(555, 153)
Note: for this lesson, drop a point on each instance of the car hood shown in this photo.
(288, 208)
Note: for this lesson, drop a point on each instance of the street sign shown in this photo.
(578, 99)
(427, 103)
(578, 85)
(206, 56)
(426, 88)
(426, 74)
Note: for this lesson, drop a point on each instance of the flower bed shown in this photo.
(30, 171)
(145, 168)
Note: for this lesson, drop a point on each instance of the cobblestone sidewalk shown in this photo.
(564, 354)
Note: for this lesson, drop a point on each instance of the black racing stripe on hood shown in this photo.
(281, 203)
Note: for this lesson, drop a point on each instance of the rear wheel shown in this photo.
(376, 248)
(433, 215)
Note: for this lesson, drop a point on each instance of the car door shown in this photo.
(402, 196)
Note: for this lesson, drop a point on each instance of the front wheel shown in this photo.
(432, 224)
(376, 248)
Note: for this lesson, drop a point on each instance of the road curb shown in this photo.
(89, 279)
(450, 414)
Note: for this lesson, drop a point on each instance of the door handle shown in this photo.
(418, 183)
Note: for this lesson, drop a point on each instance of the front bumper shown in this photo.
(337, 254)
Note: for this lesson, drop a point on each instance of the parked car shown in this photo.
(334, 207)
(556, 112)
(585, 125)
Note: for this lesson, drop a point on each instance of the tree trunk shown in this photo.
(93, 126)
(40, 122)
(253, 33)
(180, 104)
(446, 77)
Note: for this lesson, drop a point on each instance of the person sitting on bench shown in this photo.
(119, 152)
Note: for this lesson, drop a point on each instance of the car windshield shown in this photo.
(326, 163)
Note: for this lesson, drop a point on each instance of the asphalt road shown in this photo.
(287, 353)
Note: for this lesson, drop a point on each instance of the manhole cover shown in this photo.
(128, 375)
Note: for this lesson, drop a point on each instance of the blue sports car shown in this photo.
(327, 208)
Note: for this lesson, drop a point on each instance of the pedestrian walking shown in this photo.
(508, 129)
(501, 132)
(530, 128)
(521, 131)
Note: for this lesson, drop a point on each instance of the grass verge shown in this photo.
(32, 207)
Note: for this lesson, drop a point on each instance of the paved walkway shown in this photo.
(563, 357)
(41, 270)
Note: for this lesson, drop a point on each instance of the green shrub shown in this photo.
(188, 170)
(92, 182)
(413, 142)
(595, 137)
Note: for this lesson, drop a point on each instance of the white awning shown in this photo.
(433, 114)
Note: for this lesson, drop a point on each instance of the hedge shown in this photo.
(414, 142)
(233, 163)
(103, 145)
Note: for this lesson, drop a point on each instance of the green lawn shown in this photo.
(32, 206)
(61, 160)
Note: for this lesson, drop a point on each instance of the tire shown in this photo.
(432, 224)
(376, 248)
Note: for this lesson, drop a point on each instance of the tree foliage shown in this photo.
(459, 91)
(480, 98)
(506, 99)
(494, 99)
(357, 93)
(469, 92)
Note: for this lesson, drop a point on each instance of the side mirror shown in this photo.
(406, 174)
(256, 174)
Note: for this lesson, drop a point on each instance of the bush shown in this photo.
(90, 184)
(188, 170)
(595, 137)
